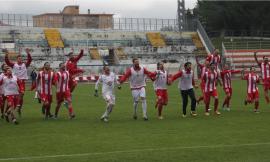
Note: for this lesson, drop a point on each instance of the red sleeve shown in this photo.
(76, 59)
(245, 77)
(154, 75)
(55, 78)
(208, 58)
(125, 76)
(177, 75)
(8, 62)
(148, 73)
(29, 60)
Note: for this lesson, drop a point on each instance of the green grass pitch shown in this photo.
(236, 136)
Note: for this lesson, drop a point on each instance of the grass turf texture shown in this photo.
(239, 135)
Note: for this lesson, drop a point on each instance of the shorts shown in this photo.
(21, 85)
(211, 94)
(266, 84)
(228, 91)
(163, 95)
(138, 93)
(61, 96)
(45, 98)
(109, 98)
(253, 96)
(12, 100)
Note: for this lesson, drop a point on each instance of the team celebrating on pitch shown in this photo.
(14, 76)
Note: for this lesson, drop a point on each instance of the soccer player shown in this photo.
(252, 89)
(226, 76)
(160, 78)
(2, 96)
(108, 80)
(45, 80)
(203, 68)
(11, 92)
(210, 78)
(185, 85)
(137, 75)
(20, 71)
(214, 59)
(61, 81)
(71, 67)
(265, 71)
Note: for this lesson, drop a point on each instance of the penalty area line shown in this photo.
(130, 151)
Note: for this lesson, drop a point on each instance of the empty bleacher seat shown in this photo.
(53, 37)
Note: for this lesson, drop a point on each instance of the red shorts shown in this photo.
(12, 100)
(163, 95)
(21, 85)
(253, 96)
(266, 84)
(46, 98)
(228, 91)
(61, 96)
(211, 94)
(72, 83)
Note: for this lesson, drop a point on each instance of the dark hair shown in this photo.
(46, 63)
(251, 67)
(187, 63)
(2, 66)
(61, 64)
(134, 59)
(105, 67)
(211, 64)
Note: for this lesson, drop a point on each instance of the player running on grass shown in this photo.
(203, 68)
(61, 80)
(160, 78)
(137, 76)
(185, 85)
(2, 96)
(265, 71)
(210, 78)
(226, 76)
(45, 80)
(252, 89)
(108, 80)
(20, 71)
(11, 92)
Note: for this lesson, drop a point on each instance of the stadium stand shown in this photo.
(94, 54)
(53, 37)
(156, 39)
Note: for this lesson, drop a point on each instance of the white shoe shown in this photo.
(228, 109)
(160, 118)
(106, 120)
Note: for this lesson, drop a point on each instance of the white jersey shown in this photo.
(20, 71)
(108, 83)
(137, 78)
(185, 82)
(10, 86)
(161, 79)
(2, 75)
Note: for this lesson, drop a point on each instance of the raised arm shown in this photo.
(256, 58)
(198, 63)
(29, 58)
(8, 62)
(77, 58)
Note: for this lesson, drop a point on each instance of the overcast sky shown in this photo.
(121, 8)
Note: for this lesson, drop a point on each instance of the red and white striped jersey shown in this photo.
(61, 80)
(265, 69)
(2, 75)
(202, 69)
(45, 81)
(226, 76)
(214, 59)
(210, 79)
(252, 80)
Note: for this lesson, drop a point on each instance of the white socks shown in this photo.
(144, 107)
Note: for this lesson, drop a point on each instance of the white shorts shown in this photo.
(138, 93)
(109, 98)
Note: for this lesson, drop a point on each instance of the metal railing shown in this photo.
(233, 45)
(205, 37)
(129, 24)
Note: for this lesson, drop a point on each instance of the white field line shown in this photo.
(131, 151)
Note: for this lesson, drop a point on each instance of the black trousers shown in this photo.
(191, 94)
